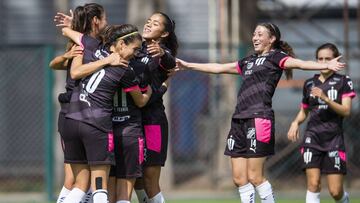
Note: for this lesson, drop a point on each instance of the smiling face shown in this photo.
(324, 56)
(262, 40)
(127, 51)
(154, 28)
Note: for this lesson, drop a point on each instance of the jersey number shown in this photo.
(94, 81)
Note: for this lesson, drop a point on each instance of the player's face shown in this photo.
(154, 28)
(127, 51)
(262, 41)
(324, 56)
(103, 22)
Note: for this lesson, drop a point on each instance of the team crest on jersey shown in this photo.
(249, 65)
(307, 156)
(230, 143)
(145, 59)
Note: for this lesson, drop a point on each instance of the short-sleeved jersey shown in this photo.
(157, 72)
(261, 75)
(324, 129)
(92, 99)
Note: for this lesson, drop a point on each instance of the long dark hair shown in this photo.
(279, 44)
(330, 46)
(170, 41)
(127, 32)
(83, 16)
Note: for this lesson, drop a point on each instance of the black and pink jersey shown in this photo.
(261, 74)
(92, 99)
(158, 69)
(64, 98)
(324, 130)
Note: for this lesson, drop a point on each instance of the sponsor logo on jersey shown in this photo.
(332, 94)
(260, 61)
(308, 140)
(336, 79)
(230, 143)
(332, 83)
(145, 59)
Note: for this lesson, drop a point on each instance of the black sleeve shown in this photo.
(279, 58)
(157, 95)
(89, 43)
(306, 94)
(167, 61)
(129, 82)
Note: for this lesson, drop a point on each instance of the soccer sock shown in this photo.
(247, 193)
(100, 196)
(158, 198)
(74, 196)
(141, 195)
(122, 201)
(265, 192)
(312, 197)
(344, 199)
(63, 193)
(87, 198)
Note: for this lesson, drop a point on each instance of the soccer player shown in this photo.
(89, 144)
(327, 97)
(78, 22)
(252, 135)
(158, 53)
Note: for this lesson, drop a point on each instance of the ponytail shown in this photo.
(170, 41)
(285, 47)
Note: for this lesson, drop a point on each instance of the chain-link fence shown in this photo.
(23, 117)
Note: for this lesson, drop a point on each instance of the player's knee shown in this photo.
(240, 180)
(256, 180)
(336, 193)
(314, 186)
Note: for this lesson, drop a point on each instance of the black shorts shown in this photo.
(61, 127)
(129, 151)
(330, 162)
(156, 136)
(249, 138)
(86, 144)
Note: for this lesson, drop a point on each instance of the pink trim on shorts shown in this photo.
(129, 89)
(238, 68)
(111, 145)
(304, 106)
(342, 155)
(263, 129)
(80, 40)
(282, 62)
(302, 150)
(141, 150)
(350, 94)
(153, 137)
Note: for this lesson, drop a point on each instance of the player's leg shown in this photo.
(256, 177)
(99, 183)
(336, 190)
(151, 181)
(112, 185)
(239, 174)
(140, 191)
(313, 185)
(124, 188)
(81, 173)
(68, 183)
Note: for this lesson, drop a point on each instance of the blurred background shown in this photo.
(199, 106)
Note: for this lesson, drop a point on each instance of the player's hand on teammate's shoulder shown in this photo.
(75, 50)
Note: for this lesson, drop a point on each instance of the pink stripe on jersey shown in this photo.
(80, 40)
(282, 62)
(129, 89)
(304, 106)
(141, 150)
(153, 137)
(263, 129)
(144, 89)
(238, 68)
(342, 155)
(110, 141)
(350, 94)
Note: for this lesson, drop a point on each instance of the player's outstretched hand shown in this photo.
(335, 64)
(63, 20)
